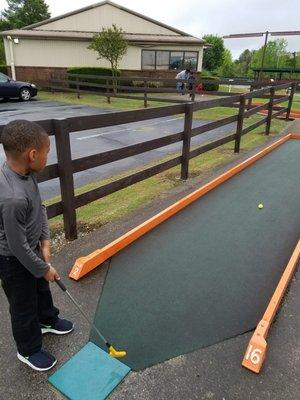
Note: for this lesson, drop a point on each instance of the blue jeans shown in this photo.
(180, 87)
(30, 303)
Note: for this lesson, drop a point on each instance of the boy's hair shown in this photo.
(20, 135)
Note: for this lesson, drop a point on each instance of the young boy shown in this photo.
(25, 269)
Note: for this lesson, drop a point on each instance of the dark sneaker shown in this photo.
(40, 361)
(61, 327)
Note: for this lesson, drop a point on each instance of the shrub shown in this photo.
(205, 73)
(138, 83)
(3, 69)
(154, 84)
(90, 71)
(211, 87)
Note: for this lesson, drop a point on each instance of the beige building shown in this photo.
(53, 45)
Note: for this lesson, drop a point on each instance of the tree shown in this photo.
(34, 11)
(274, 56)
(227, 69)
(213, 56)
(2, 52)
(244, 62)
(21, 13)
(110, 45)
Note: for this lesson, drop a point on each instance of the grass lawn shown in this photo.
(234, 88)
(237, 89)
(97, 101)
(119, 204)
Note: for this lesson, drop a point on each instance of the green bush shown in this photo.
(150, 84)
(3, 69)
(154, 84)
(90, 71)
(205, 73)
(137, 83)
(211, 87)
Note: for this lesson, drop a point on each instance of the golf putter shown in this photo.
(111, 350)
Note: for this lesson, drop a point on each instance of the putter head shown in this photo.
(115, 353)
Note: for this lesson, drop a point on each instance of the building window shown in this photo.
(190, 59)
(166, 59)
(148, 59)
(176, 60)
(162, 59)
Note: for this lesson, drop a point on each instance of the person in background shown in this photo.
(182, 75)
(191, 84)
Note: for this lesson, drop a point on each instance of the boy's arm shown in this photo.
(14, 223)
(46, 250)
(45, 227)
(45, 237)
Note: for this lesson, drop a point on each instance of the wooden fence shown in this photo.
(66, 167)
(118, 87)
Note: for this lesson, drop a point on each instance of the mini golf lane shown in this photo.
(207, 273)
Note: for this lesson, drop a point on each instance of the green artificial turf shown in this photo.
(207, 273)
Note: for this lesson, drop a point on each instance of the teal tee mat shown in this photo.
(89, 375)
(207, 273)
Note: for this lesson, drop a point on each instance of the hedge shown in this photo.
(212, 87)
(3, 69)
(90, 71)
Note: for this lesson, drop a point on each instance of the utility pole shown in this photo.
(294, 62)
(263, 55)
(261, 34)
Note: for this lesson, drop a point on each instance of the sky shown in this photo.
(220, 17)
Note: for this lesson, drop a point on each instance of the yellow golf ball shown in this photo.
(260, 206)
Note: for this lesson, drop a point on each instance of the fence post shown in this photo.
(107, 92)
(193, 91)
(77, 88)
(240, 123)
(290, 101)
(65, 170)
(250, 100)
(145, 94)
(188, 121)
(270, 110)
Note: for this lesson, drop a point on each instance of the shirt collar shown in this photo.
(23, 177)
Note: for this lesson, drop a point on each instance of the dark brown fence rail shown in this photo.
(118, 87)
(66, 167)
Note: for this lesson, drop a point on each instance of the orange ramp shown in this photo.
(257, 347)
(84, 265)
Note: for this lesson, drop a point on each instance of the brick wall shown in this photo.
(41, 76)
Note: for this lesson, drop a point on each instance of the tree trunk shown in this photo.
(114, 74)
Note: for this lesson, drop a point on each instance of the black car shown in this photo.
(10, 89)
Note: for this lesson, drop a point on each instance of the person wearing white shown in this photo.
(182, 75)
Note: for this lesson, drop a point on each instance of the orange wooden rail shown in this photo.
(257, 347)
(84, 265)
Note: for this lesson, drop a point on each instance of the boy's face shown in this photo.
(38, 157)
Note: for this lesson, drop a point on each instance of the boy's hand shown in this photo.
(51, 275)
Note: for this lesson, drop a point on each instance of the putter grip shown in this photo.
(61, 285)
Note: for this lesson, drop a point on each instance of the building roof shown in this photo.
(78, 11)
(85, 36)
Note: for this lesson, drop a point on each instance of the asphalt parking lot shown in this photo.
(94, 141)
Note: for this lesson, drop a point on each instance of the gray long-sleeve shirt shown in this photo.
(23, 220)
